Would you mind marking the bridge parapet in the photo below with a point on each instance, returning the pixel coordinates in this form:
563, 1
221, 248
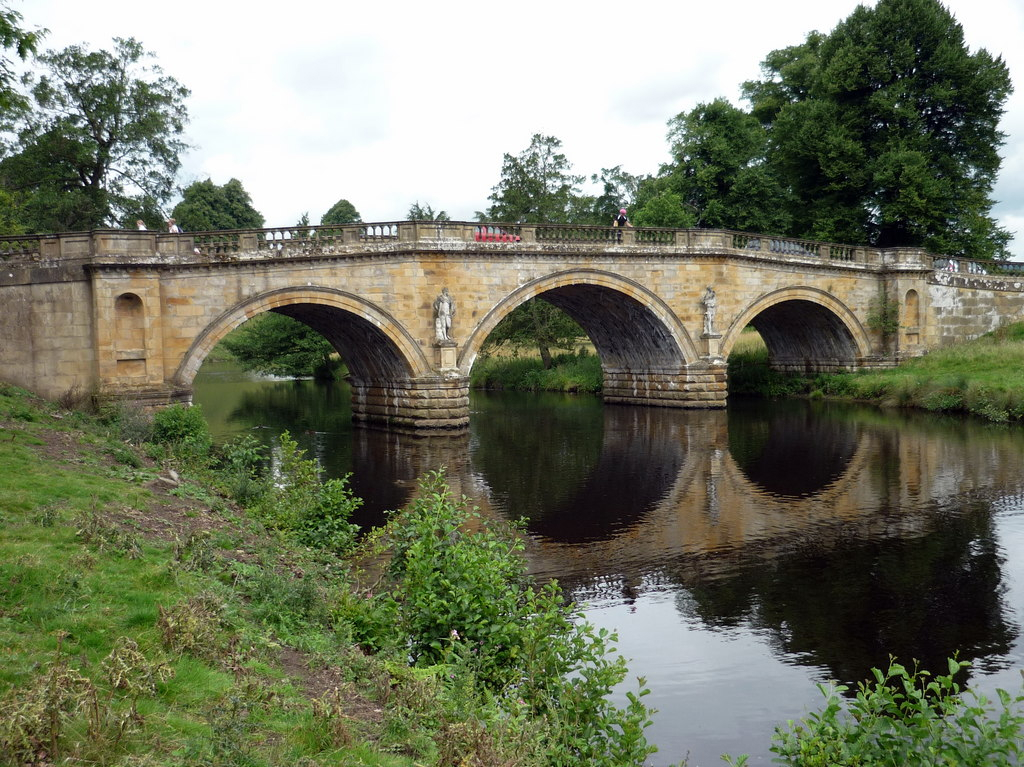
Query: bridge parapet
355, 239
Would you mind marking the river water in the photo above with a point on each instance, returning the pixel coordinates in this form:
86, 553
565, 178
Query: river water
743, 556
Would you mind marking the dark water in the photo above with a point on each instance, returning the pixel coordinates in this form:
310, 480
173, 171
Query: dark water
742, 555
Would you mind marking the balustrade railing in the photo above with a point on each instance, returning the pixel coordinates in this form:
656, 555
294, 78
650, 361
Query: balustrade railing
19, 247
976, 267
282, 242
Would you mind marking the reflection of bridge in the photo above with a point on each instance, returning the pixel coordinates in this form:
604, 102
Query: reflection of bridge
127, 314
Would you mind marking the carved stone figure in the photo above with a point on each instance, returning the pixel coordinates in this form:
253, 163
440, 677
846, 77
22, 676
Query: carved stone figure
444, 310
710, 303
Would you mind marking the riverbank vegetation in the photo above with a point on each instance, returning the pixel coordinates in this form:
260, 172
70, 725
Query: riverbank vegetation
983, 377
165, 603
578, 372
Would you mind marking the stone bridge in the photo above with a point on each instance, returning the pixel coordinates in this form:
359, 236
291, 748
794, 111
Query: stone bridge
132, 314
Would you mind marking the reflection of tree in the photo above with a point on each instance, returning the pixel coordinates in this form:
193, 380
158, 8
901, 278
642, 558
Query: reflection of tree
848, 608
538, 458
789, 450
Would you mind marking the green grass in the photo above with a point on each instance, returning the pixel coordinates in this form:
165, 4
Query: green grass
576, 373
126, 643
984, 377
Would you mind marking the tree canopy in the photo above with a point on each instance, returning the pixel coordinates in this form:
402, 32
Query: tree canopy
274, 344
886, 131
23, 43
205, 206
101, 143
425, 212
342, 212
718, 179
536, 186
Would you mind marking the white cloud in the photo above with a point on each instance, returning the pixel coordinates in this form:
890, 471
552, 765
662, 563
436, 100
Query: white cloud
391, 102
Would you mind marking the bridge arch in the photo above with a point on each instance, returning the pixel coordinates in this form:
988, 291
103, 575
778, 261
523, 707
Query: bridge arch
373, 344
631, 327
804, 329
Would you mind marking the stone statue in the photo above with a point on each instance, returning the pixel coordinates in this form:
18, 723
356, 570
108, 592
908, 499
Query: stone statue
710, 303
444, 310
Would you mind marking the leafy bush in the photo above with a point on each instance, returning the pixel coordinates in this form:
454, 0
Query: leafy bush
184, 429
905, 718
463, 598
315, 513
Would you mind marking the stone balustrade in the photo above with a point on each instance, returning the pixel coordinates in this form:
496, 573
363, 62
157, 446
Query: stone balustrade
354, 239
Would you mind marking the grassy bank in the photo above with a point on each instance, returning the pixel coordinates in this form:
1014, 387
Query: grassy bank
984, 378
166, 604
580, 372
147, 617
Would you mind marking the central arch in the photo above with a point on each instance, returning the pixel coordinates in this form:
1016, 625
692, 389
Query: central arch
647, 357
629, 325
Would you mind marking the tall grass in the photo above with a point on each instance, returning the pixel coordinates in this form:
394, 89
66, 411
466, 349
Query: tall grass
580, 372
983, 377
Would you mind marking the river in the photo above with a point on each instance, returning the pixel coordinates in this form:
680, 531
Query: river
743, 555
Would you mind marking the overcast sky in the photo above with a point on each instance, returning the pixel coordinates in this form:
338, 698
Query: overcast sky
390, 102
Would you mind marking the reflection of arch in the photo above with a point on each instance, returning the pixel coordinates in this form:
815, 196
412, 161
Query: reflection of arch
631, 328
803, 326
767, 446
372, 343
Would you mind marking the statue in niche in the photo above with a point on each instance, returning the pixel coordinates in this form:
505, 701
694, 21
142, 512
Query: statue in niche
710, 303
444, 310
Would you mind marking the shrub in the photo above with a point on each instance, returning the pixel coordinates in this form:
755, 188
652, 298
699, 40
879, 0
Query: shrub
464, 599
184, 429
315, 513
907, 718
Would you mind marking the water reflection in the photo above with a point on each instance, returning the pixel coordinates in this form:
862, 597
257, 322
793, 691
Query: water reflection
826, 537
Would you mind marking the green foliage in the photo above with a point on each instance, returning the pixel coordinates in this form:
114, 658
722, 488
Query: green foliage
886, 131
718, 178
884, 316
101, 145
425, 212
342, 212
205, 206
273, 344
536, 186
463, 598
184, 429
536, 323
316, 513
907, 718
568, 373
23, 42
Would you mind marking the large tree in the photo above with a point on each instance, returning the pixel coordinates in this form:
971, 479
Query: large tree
102, 140
887, 130
718, 177
536, 186
205, 206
